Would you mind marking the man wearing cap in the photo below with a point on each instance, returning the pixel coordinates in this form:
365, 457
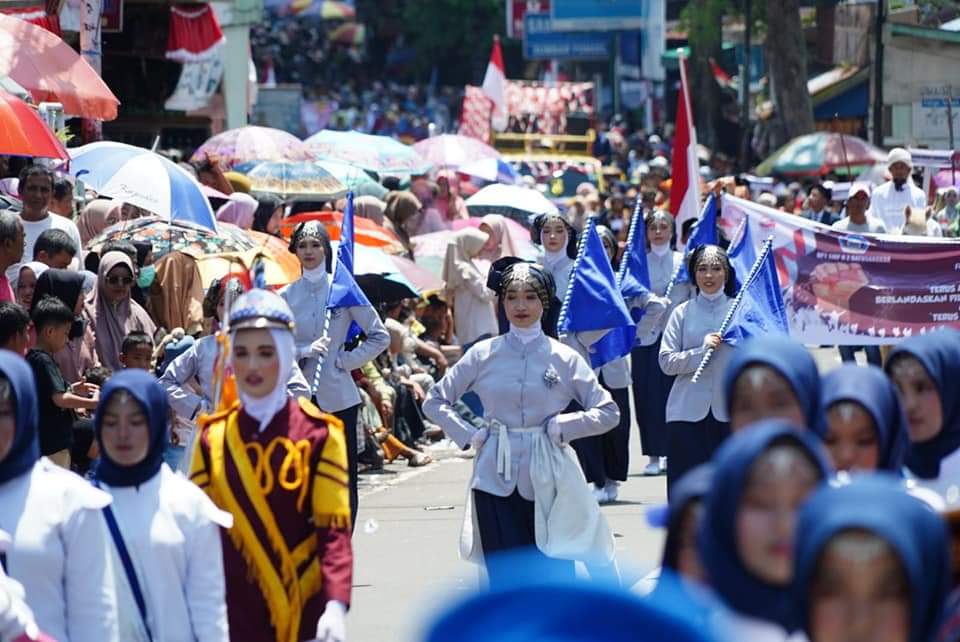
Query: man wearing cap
858, 219
890, 199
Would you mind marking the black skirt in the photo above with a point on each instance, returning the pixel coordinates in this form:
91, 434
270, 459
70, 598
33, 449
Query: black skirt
607, 456
650, 391
691, 443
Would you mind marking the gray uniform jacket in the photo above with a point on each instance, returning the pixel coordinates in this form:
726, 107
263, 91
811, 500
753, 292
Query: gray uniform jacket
521, 386
661, 270
681, 352
199, 361
337, 390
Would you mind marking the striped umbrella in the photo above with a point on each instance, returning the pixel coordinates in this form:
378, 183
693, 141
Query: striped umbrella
252, 143
821, 153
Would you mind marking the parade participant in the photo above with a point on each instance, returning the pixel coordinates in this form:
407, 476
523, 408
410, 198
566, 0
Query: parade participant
525, 381
60, 544
925, 369
168, 528
466, 287
772, 377
651, 386
325, 347
890, 200
559, 241
80, 354
111, 310
279, 466
25, 282
761, 478
866, 428
696, 413
872, 563
682, 518
500, 243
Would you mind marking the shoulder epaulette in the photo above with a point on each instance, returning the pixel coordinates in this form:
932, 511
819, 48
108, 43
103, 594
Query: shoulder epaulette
313, 412
207, 419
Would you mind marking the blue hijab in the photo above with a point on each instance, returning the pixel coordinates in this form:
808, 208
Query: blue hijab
740, 589
143, 387
693, 486
939, 352
25, 450
879, 504
870, 388
791, 360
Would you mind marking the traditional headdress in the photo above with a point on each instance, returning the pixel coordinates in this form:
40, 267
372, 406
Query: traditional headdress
532, 276
313, 229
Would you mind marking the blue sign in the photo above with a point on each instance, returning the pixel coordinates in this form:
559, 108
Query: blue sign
600, 15
541, 42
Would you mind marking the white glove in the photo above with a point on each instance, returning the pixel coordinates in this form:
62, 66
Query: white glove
554, 432
319, 348
16, 619
712, 340
479, 439
332, 625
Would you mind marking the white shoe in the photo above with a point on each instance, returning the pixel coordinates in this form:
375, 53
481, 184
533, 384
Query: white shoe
612, 491
663, 465
652, 469
599, 494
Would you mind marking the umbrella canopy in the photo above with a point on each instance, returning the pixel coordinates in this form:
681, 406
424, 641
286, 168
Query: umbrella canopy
491, 170
356, 179
350, 33
821, 153
143, 178
379, 154
52, 71
518, 203
278, 269
947, 177
326, 9
252, 143
23, 133
294, 179
518, 234
430, 249
165, 237
366, 232
370, 261
454, 150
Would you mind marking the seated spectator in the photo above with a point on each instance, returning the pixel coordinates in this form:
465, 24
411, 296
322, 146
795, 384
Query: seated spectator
54, 249
136, 351
14, 328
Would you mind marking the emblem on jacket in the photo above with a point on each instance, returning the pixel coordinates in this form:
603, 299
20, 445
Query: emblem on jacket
550, 377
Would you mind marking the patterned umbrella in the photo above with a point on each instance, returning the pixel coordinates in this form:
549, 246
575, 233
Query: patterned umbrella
166, 237
454, 150
247, 144
355, 179
820, 153
379, 154
300, 179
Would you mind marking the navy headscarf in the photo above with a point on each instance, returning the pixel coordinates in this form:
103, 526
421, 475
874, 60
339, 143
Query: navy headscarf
870, 388
143, 387
740, 589
25, 450
692, 487
939, 352
788, 358
881, 505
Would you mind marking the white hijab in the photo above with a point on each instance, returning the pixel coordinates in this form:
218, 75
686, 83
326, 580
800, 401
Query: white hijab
264, 409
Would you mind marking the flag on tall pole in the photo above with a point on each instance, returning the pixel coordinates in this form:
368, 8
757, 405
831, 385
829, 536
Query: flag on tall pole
685, 172
495, 86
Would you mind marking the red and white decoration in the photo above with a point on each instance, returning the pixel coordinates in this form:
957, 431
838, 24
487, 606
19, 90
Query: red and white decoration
475, 114
195, 34
494, 86
40, 15
685, 185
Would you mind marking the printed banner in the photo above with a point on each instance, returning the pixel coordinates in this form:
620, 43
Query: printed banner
844, 288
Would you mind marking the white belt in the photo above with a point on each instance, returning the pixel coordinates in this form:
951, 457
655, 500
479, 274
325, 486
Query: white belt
504, 456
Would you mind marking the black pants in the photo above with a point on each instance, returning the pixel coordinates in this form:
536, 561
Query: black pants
607, 456
874, 358
691, 443
506, 525
349, 418
650, 391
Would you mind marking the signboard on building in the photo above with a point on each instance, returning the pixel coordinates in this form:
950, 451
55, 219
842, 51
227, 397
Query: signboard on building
930, 114
600, 15
541, 42
517, 11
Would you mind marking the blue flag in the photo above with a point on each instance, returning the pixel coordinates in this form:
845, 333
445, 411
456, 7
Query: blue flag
344, 291
759, 308
704, 233
594, 302
742, 255
634, 277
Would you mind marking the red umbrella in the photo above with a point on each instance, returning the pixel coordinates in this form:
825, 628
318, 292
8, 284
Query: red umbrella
23, 133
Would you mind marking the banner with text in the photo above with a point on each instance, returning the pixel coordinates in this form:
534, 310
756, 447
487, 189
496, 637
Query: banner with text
843, 288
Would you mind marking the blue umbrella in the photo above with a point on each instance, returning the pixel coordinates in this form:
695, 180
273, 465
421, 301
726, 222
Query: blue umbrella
143, 178
491, 170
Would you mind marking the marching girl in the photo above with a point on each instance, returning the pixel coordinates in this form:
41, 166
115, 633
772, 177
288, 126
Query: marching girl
651, 386
279, 466
559, 241
60, 545
334, 389
696, 413
169, 530
525, 381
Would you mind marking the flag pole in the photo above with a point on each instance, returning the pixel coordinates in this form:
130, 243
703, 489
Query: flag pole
634, 224
581, 249
767, 247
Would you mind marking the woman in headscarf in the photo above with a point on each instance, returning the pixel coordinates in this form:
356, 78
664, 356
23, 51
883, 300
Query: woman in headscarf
268, 215
761, 478
369, 207
500, 243
925, 369
112, 311
473, 312
80, 353
865, 427
287, 559
168, 526
872, 563
770, 377
322, 335
239, 210
448, 201
96, 216
651, 386
697, 417
681, 518
24, 283
399, 217
526, 381
60, 551
559, 241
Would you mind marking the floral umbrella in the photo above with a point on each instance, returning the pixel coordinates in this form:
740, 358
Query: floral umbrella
379, 154
290, 180
252, 143
166, 237
821, 153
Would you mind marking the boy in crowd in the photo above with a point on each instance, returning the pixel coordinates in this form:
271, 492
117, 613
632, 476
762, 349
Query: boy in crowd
14, 328
136, 351
54, 249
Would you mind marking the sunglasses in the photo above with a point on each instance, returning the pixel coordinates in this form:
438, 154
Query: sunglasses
119, 280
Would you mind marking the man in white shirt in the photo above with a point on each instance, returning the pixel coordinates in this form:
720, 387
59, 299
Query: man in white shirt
858, 219
890, 199
35, 189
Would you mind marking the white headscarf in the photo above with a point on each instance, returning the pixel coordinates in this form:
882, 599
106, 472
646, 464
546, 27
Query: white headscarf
264, 409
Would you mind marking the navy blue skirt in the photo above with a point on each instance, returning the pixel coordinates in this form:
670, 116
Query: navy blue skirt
691, 443
650, 391
607, 456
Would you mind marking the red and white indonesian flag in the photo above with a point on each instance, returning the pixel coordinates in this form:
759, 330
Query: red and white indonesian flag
685, 174
495, 86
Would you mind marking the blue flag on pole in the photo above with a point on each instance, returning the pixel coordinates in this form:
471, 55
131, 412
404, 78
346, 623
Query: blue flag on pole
705, 233
594, 302
634, 274
759, 308
344, 291
742, 255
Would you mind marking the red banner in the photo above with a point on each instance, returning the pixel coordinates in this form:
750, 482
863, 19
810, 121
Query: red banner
517, 9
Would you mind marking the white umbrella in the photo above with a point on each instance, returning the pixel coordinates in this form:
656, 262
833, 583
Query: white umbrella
518, 203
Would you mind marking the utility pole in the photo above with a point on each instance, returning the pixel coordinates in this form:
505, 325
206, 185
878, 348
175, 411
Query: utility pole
745, 85
878, 74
